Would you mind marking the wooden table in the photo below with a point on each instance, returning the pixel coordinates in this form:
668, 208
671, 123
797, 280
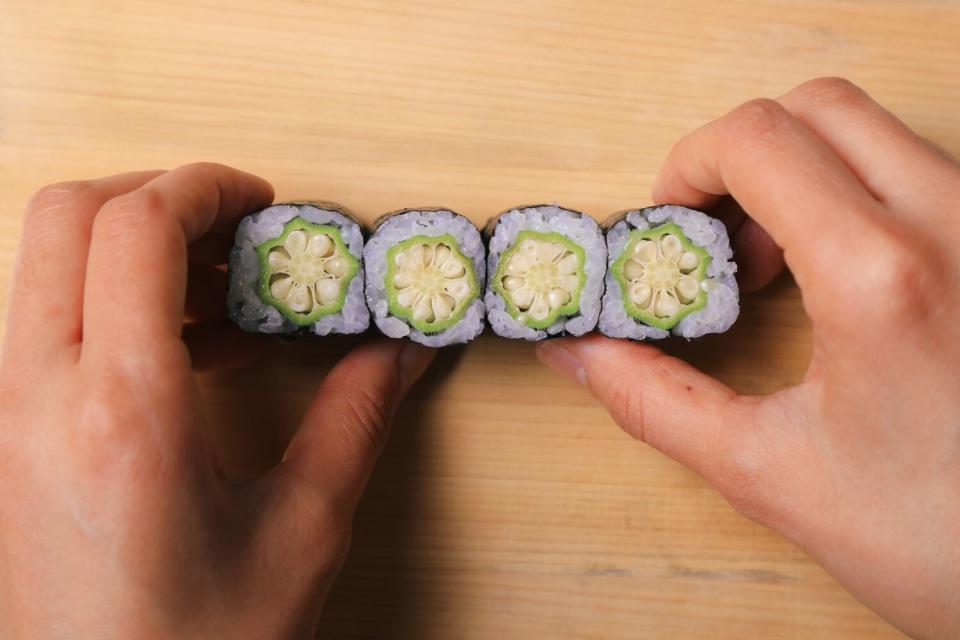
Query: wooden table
508, 504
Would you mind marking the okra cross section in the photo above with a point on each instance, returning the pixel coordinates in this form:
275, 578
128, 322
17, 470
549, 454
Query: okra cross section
661, 275
304, 273
429, 282
540, 278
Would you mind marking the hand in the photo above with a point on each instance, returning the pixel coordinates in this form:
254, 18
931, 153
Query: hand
115, 521
860, 464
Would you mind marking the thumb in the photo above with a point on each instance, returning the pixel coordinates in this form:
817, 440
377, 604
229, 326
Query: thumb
347, 424
658, 399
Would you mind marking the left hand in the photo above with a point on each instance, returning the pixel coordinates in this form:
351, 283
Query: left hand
115, 521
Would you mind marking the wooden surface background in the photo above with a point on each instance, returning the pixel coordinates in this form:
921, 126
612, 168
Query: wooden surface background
508, 504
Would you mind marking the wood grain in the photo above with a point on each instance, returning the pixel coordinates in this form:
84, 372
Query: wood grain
508, 504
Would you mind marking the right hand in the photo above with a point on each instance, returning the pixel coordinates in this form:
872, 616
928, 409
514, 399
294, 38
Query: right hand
859, 464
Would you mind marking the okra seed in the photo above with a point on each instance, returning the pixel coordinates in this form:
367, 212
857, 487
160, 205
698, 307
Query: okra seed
688, 261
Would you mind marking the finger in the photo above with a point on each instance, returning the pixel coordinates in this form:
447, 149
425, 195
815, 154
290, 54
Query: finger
347, 423
137, 269
206, 293
658, 399
887, 156
47, 291
759, 259
211, 249
729, 212
783, 176
220, 344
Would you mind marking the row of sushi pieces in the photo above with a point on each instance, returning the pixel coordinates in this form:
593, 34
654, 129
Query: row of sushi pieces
431, 276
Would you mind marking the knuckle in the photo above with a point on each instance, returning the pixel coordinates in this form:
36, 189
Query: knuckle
749, 467
903, 276
60, 192
626, 407
322, 521
48, 210
104, 427
53, 197
759, 118
142, 203
206, 178
101, 427
831, 91
366, 416
312, 503
205, 168
745, 483
123, 215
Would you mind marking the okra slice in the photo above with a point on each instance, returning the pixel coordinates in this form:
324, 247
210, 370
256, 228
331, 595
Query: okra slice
305, 272
430, 283
540, 278
661, 276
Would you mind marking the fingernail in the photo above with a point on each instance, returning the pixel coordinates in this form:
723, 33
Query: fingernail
413, 361
561, 359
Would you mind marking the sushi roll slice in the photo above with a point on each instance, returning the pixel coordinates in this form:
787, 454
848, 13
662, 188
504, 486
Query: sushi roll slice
296, 269
545, 266
425, 272
670, 273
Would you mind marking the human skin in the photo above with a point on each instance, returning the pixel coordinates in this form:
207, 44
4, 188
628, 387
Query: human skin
116, 521
859, 464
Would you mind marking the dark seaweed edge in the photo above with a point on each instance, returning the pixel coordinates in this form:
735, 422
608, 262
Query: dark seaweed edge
326, 205
399, 212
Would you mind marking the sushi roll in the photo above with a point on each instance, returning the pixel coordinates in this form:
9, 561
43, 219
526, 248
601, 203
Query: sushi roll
296, 269
425, 272
670, 272
545, 266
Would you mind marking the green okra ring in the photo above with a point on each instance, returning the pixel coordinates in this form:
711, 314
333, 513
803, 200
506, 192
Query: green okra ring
540, 278
661, 276
429, 282
305, 272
